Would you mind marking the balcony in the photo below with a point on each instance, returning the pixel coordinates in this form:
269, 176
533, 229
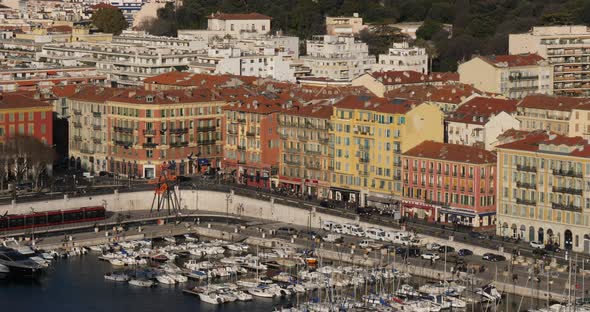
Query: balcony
77, 124
364, 160
123, 130
527, 202
324, 140
302, 138
232, 131
97, 127
77, 112
364, 148
86, 151
569, 206
149, 132
283, 136
77, 138
567, 190
149, 145
531, 186
97, 141
241, 120
206, 142
312, 165
364, 173
313, 152
242, 147
568, 173
123, 143
397, 177
178, 131
398, 164
292, 162
526, 168
206, 129
438, 203
179, 144
96, 114
241, 162
250, 133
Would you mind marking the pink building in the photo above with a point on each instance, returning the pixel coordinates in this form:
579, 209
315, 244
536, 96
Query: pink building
449, 183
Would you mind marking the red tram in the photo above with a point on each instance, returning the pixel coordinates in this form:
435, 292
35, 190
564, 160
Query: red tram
50, 218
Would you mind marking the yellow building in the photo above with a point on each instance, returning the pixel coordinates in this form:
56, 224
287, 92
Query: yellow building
514, 76
369, 135
64, 33
543, 190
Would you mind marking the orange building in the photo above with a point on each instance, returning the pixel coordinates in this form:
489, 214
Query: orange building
24, 115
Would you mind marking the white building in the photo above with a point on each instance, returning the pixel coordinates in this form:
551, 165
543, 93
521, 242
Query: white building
222, 25
337, 58
479, 121
227, 59
403, 57
344, 25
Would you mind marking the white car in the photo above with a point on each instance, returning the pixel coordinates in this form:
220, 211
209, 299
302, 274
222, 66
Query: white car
375, 233
430, 256
369, 243
537, 245
432, 246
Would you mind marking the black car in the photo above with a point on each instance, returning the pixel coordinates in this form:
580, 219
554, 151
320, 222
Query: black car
539, 252
365, 210
465, 252
476, 235
309, 234
404, 252
448, 249
493, 257
552, 248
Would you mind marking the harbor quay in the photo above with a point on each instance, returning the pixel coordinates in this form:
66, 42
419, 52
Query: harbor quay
233, 217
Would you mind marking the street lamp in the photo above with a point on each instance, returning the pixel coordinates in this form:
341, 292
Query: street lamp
227, 199
33, 229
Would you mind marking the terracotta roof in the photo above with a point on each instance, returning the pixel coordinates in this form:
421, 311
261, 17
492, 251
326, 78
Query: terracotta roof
513, 60
64, 91
479, 110
260, 104
413, 77
185, 79
18, 100
452, 152
60, 29
455, 94
532, 142
239, 16
513, 135
93, 94
318, 110
376, 104
103, 6
560, 103
139, 96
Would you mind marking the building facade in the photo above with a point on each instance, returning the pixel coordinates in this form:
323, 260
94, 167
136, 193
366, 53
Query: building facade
344, 25
369, 135
402, 57
307, 158
543, 190
449, 183
21, 115
553, 113
565, 48
514, 76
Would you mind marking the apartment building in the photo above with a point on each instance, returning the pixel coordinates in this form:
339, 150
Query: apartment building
479, 121
344, 25
514, 76
543, 190
566, 48
24, 115
554, 113
382, 82
449, 183
251, 140
307, 158
88, 130
220, 25
369, 135
31, 79
402, 57
123, 64
337, 58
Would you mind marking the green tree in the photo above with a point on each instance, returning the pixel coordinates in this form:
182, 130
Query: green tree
109, 20
428, 29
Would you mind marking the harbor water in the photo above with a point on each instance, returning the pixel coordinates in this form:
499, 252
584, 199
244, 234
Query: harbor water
78, 284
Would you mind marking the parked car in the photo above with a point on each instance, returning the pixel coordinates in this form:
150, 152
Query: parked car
286, 230
328, 225
493, 257
553, 248
369, 243
430, 256
408, 251
310, 234
477, 235
432, 246
333, 238
539, 252
465, 252
537, 245
448, 249
375, 233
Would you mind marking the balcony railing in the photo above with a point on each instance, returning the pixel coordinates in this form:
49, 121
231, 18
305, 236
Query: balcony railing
206, 129
86, 151
77, 138
314, 152
97, 127
178, 130
397, 177
149, 132
206, 142
242, 147
567, 190
439, 203
569, 206
96, 114
292, 162
364, 160
250, 133
528, 202
123, 130
179, 144
241, 120
364, 173
312, 165
532, 186
77, 112
568, 173
97, 141
123, 143
526, 168
149, 145
77, 124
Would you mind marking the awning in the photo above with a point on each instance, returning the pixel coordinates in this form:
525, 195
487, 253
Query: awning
338, 189
383, 200
457, 212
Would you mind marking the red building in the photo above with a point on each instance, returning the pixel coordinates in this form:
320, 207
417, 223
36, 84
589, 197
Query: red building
24, 115
449, 183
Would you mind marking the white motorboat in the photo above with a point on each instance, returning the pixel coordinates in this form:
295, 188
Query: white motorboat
243, 296
227, 295
212, 298
170, 239
117, 262
116, 277
190, 238
142, 283
262, 292
198, 275
179, 278
166, 279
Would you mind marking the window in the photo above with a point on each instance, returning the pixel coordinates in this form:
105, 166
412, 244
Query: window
21, 116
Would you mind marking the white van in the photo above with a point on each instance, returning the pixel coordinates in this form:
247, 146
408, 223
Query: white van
338, 228
357, 231
375, 233
402, 238
328, 225
347, 228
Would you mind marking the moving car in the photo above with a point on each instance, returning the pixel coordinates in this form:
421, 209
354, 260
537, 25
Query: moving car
286, 230
465, 252
537, 245
493, 257
448, 249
